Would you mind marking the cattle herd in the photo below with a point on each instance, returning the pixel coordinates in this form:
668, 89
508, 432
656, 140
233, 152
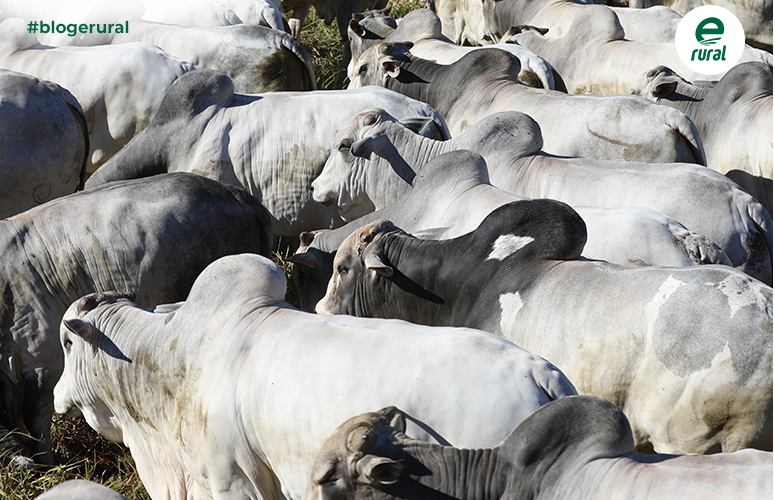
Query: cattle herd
534, 250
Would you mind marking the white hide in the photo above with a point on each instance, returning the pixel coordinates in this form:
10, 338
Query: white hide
291, 379
119, 87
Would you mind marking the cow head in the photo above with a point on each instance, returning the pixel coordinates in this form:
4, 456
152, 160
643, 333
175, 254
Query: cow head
379, 63
363, 151
311, 271
357, 456
358, 258
659, 82
365, 30
81, 341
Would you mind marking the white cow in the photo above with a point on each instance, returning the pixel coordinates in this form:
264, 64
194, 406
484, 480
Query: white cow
44, 145
451, 195
149, 236
273, 144
685, 352
484, 82
231, 393
374, 157
423, 28
256, 58
119, 87
734, 117
754, 15
78, 489
594, 56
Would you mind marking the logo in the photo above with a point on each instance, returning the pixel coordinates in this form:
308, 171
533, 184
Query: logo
709, 40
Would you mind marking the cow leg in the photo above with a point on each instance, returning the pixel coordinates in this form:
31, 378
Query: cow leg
12, 450
297, 19
37, 410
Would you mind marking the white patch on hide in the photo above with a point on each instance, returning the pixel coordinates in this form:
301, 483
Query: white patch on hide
739, 293
507, 244
511, 304
663, 295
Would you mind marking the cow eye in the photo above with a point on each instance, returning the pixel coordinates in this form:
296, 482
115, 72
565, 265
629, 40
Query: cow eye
346, 144
362, 69
341, 270
68, 343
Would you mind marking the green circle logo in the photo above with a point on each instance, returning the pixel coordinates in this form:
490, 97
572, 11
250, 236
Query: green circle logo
709, 40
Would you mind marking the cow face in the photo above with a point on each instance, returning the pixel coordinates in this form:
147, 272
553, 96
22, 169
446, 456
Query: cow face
80, 339
311, 271
345, 174
347, 465
379, 63
357, 259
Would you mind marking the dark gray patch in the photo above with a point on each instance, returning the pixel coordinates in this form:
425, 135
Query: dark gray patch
683, 351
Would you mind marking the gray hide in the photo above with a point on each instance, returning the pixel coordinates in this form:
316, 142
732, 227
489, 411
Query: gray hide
273, 144
578, 447
44, 145
256, 58
150, 237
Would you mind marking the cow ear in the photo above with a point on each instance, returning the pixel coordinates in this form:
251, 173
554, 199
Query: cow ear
80, 328
356, 27
664, 87
424, 126
364, 147
390, 67
306, 259
376, 470
375, 263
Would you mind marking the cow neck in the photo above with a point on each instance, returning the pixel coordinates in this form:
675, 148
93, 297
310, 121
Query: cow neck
424, 81
135, 352
412, 292
454, 473
410, 152
686, 98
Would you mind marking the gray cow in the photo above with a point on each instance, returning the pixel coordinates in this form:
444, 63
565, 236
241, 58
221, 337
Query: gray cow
256, 58
685, 352
272, 144
734, 117
452, 194
150, 237
484, 82
44, 145
375, 158
578, 447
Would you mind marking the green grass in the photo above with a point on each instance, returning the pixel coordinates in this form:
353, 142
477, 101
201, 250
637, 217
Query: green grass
325, 45
80, 451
